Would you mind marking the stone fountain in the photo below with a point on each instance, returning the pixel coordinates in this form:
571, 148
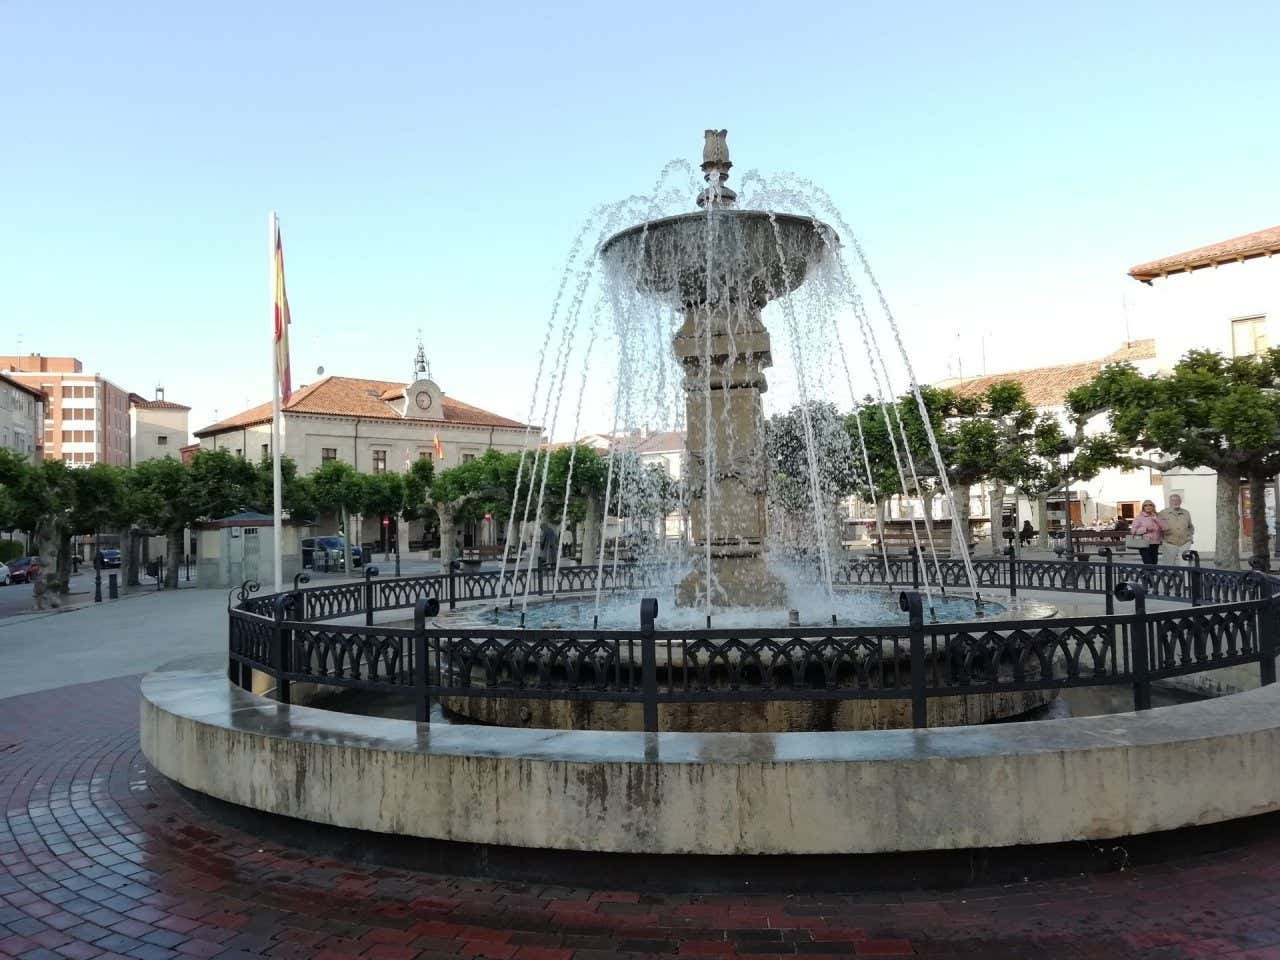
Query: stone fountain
720, 267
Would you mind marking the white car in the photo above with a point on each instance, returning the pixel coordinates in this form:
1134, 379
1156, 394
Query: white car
4, 575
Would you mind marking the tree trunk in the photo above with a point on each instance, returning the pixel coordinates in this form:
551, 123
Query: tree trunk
1260, 536
62, 564
133, 546
960, 519
997, 515
172, 558
591, 530
448, 533
1226, 553
1042, 522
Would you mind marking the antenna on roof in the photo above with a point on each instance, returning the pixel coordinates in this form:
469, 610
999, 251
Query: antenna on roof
1124, 308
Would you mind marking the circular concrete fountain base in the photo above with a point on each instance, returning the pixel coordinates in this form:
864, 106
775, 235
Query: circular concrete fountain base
1085, 778
774, 716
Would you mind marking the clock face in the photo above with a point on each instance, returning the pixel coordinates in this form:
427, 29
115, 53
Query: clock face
423, 400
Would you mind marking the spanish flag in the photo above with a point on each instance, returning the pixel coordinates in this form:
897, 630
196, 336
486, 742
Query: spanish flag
281, 336
435, 445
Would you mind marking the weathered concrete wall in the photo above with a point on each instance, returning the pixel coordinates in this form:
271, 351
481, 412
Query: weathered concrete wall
720, 793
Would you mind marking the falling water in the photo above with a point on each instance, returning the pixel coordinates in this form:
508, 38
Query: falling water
640, 280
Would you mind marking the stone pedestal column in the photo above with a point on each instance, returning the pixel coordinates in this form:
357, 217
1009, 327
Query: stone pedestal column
738, 353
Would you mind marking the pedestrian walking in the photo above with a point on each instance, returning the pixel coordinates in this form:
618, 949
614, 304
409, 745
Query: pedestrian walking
1147, 532
1179, 532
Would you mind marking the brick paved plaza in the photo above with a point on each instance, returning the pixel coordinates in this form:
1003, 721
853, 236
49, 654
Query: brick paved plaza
102, 858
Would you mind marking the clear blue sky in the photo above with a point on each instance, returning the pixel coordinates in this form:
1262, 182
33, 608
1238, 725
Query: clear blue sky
1005, 163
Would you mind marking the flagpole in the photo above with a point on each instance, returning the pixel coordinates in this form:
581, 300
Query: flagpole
273, 229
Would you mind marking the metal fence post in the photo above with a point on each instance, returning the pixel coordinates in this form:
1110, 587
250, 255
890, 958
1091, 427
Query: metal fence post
1197, 578
369, 574
1108, 579
1140, 662
915, 567
281, 641
910, 602
453, 587
1267, 627
425, 607
540, 567
649, 663
1013, 570
300, 598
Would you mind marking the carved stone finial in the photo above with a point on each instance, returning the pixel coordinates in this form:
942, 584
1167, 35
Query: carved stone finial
715, 150
715, 160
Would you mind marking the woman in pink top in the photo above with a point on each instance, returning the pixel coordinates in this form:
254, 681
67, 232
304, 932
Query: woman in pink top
1151, 528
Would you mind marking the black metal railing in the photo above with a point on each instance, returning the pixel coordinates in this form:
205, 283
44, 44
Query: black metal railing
1232, 620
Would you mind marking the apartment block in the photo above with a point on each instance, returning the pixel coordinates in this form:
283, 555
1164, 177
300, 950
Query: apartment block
86, 417
21, 418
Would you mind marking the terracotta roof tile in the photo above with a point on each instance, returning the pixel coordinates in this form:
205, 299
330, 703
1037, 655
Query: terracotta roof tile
1049, 386
1262, 243
365, 399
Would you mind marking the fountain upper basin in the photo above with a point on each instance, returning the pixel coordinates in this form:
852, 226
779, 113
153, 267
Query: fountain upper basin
754, 255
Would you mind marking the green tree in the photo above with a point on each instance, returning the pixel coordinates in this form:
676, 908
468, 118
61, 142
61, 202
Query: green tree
382, 495
336, 487
790, 470
468, 485
1209, 411
165, 501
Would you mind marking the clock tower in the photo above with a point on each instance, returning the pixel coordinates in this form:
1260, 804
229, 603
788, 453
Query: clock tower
422, 398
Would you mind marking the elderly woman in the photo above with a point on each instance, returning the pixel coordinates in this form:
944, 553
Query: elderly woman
1148, 527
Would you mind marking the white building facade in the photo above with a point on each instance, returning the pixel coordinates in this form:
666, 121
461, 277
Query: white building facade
377, 426
21, 419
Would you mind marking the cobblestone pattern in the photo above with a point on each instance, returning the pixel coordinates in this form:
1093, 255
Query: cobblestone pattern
101, 858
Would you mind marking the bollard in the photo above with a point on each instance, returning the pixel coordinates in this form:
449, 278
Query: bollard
1013, 569
1139, 651
369, 574
649, 663
911, 603
915, 567
453, 584
113, 587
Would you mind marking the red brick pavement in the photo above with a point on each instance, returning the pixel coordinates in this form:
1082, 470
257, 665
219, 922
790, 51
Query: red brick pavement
101, 858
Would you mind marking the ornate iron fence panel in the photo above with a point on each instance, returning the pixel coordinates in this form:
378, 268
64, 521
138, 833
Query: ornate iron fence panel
333, 601
1204, 638
406, 591
786, 665
574, 664
370, 657
1026, 655
250, 636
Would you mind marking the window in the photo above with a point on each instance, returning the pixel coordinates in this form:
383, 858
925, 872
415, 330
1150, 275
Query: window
239, 451
1157, 478
468, 457
77, 436
162, 440
328, 453
266, 450
1249, 336
379, 461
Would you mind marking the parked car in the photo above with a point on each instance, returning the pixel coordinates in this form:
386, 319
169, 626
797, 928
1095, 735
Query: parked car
326, 553
5, 576
110, 558
21, 569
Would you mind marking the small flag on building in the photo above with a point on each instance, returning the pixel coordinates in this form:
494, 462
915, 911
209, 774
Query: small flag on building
435, 445
282, 322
